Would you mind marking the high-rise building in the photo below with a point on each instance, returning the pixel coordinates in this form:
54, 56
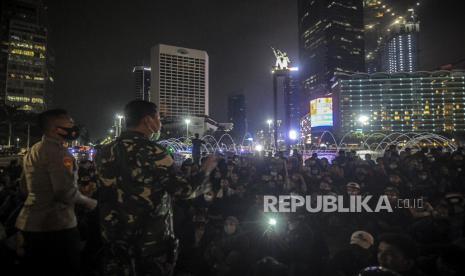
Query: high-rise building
179, 82
330, 41
142, 75
400, 53
391, 36
292, 102
402, 102
237, 115
375, 23
24, 75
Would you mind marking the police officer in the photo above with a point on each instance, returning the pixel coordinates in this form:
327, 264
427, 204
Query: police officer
137, 180
47, 219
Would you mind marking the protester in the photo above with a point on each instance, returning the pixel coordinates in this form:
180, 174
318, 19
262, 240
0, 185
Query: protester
223, 230
358, 255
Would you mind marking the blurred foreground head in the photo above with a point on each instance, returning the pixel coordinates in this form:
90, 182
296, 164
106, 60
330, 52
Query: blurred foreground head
268, 266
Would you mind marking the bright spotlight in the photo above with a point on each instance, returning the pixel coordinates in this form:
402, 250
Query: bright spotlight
363, 119
269, 121
187, 121
293, 134
272, 221
258, 147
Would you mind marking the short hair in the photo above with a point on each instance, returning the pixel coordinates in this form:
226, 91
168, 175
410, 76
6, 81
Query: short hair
136, 110
402, 242
46, 118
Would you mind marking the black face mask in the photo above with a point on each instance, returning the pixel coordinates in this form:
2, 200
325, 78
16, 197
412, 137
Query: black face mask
72, 133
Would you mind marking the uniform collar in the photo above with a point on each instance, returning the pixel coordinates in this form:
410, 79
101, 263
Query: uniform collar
132, 134
51, 140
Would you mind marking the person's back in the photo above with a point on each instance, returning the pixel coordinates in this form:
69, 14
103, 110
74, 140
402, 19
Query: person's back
47, 220
42, 212
196, 148
131, 171
136, 181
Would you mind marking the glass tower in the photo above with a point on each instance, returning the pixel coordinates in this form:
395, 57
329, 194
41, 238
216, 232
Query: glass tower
331, 40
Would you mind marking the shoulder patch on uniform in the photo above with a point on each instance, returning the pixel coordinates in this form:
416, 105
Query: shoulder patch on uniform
68, 163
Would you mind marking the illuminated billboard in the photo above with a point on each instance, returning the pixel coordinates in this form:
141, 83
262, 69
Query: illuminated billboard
321, 112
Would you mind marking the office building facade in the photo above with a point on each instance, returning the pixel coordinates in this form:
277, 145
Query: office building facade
375, 24
401, 102
24, 75
391, 36
331, 40
142, 76
292, 102
179, 82
400, 53
237, 115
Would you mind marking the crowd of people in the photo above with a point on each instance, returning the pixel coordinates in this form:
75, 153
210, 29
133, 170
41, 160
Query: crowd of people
225, 231
133, 212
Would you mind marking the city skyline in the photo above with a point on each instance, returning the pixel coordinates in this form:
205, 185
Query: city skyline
95, 56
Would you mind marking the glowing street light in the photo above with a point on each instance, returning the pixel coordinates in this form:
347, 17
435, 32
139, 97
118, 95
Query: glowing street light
119, 127
258, 147
293, 134
272, 221
269, 122
187, 121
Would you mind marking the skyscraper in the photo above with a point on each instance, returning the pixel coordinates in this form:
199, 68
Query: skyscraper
237, 114
142, 77
391, 36
24, 76
330, 41
179, 81
292, 102
400, 52
375, 20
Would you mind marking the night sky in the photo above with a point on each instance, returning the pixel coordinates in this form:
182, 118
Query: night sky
96, 44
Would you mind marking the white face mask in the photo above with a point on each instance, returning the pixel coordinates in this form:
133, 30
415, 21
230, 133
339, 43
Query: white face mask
208, 198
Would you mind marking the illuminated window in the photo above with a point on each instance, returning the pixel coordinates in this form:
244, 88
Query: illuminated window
22, 52
37, 100
39, 47
18, 99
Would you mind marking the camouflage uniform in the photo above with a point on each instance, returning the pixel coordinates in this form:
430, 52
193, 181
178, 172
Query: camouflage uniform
136, 182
